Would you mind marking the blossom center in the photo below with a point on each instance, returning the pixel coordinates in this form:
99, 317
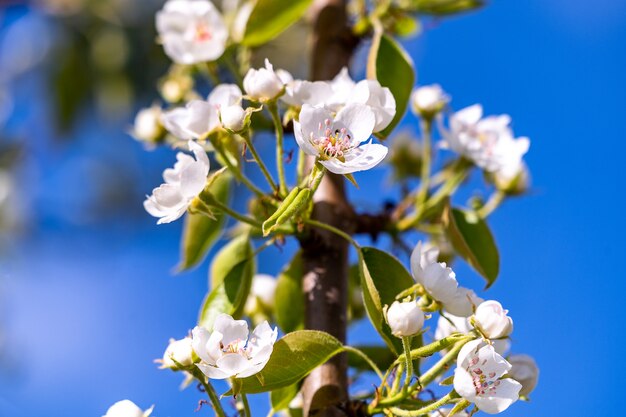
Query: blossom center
331, 142
484, 383
202, 33
236, 346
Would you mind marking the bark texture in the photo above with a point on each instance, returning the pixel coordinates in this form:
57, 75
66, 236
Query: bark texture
325, 255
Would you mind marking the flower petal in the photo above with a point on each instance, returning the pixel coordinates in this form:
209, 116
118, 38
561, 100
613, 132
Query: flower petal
507, 393
212, 372
304, 143
359, 120
233, 363
233, 330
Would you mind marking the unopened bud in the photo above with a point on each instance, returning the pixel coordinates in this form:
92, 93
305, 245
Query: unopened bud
405, 318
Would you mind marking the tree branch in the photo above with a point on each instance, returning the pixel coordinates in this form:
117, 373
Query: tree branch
325, 255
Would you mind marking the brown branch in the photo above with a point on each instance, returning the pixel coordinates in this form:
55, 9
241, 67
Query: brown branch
325, 256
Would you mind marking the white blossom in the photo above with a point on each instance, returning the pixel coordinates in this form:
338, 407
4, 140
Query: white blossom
525, 371
488, 142
405, 318
191, 31
337, 140
127, 408
492, 320
299, 92
229, 352
199, 117
263, 84
183, 183
377, 98
477, 378
148, 125
429, 99
440, 282
179, 351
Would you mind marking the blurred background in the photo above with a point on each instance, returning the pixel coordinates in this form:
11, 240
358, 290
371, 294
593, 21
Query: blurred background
88, 297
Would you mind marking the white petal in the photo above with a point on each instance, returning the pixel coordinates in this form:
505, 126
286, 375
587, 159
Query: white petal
233, 363
233, 330
469, 115
193, 180
506, 394
212, 372
362, 158
358, 119
200, 155
225, 95
304, 143
124, 408
311, 118
464, 384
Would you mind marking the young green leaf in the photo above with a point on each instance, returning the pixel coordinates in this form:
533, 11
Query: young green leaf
389, 63
281, 397
231, 277
200, 232
293, 358
270, 18
472, 240
382, 278
288, 306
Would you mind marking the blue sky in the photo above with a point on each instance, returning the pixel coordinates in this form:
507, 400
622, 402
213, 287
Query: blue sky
86, 308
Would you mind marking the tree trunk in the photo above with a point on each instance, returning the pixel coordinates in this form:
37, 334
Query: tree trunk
325, 255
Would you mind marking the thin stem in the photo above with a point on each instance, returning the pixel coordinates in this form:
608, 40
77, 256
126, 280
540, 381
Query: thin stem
215, 400
259, 161
396, 381
493, 203
246, 405
334, 230
441, 366
406, 344
426, 163
447, 189
317, 173
237, 172
427, 409
211, 201
280, 163
366, 358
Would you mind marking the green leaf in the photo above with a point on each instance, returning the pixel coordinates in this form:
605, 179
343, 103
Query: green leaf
289, 307
270, 18
281, 397
231, 275
293, 358
200, 232
381, 355
389, 63
383, 277
472, 240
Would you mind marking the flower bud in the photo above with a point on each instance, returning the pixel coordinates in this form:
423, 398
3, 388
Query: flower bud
263, 84
429, 100
260, 302
405, 318
148, 125
525, 371
127, 408
179, 351
492, 320
233, 117
176, 88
